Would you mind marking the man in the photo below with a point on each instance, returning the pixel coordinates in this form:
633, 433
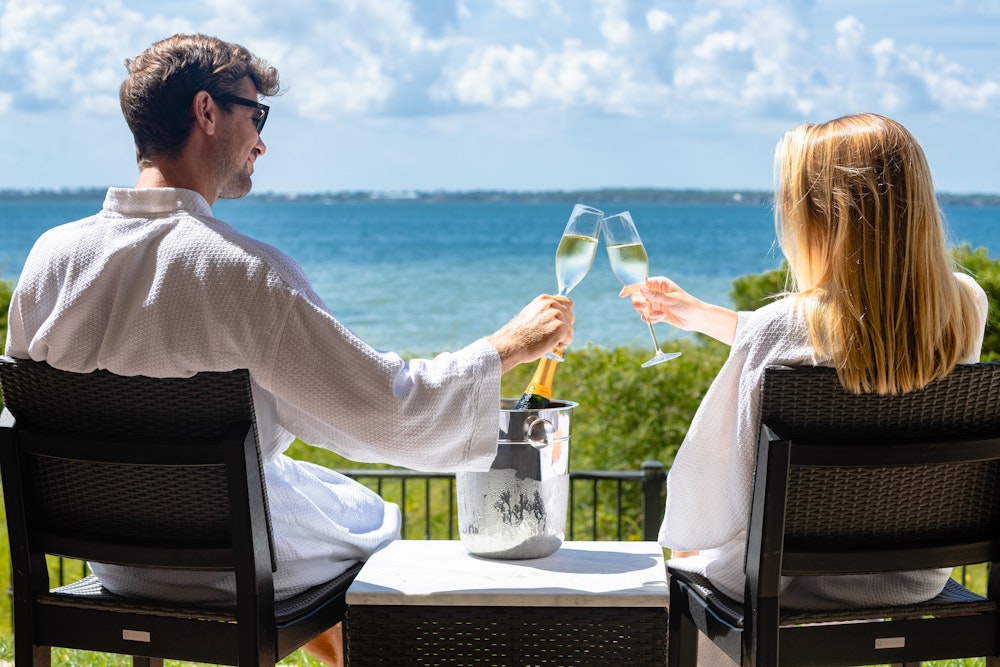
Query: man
154, 285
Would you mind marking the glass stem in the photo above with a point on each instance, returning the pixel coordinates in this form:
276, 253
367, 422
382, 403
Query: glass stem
556, 353
653, 334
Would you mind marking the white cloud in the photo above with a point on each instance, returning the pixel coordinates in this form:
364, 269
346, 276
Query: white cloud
658, 20
700, 23
713, 58
347, 58
70, 55
916, 73
519, 9
850, 36
780, 43
330, 90
495, 76
982, 6
714, 69
614, 23
19, 19
526, 10
518, 77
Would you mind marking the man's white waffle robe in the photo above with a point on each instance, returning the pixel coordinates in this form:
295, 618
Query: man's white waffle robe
155, 285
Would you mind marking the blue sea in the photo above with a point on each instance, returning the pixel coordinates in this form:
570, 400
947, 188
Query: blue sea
421, 277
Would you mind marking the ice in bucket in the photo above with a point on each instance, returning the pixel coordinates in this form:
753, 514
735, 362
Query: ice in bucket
517, 509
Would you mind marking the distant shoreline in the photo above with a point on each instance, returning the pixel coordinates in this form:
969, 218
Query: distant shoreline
631, 195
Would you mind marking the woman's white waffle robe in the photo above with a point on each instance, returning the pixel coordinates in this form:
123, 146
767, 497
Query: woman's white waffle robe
711, 480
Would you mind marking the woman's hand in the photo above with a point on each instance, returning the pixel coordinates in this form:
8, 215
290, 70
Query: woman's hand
660, 299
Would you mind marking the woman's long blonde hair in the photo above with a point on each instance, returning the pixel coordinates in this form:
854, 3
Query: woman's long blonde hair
858, 221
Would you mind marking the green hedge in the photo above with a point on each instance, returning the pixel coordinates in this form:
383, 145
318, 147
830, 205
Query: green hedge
6, 290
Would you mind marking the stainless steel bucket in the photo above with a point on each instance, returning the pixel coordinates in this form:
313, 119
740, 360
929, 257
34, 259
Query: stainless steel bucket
517, 509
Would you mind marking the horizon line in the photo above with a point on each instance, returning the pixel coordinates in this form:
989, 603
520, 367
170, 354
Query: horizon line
659, 194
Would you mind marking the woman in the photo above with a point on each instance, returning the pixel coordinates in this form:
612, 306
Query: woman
873, 293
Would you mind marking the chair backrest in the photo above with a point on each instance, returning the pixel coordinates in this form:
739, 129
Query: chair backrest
849, 483
161, 472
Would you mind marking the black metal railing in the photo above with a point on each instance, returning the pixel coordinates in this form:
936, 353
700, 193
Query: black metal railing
603, 504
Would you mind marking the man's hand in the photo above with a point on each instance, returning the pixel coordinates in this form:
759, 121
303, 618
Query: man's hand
545, 323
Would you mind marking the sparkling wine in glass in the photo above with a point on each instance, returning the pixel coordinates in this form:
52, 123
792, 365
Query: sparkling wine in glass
576, 251
631, 264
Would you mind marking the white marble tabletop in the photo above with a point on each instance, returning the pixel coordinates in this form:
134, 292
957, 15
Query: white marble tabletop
579, 574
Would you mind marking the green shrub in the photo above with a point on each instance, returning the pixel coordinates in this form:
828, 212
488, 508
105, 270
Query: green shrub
752, 291
628, 414
6, 289
986, 271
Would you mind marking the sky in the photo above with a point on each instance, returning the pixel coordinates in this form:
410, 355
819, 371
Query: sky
522, 95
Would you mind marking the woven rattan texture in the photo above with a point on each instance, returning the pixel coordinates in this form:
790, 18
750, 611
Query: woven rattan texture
436, 636
868, 507
122, 408
811, 400
165, 505
169, 505
892, 506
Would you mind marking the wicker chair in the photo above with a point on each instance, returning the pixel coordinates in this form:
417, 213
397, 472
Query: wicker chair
144, 472
858, 484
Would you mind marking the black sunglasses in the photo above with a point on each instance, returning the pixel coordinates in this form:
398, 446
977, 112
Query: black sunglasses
262, 108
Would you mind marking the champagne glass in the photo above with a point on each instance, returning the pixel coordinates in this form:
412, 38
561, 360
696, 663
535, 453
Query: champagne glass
631, 265
576, 251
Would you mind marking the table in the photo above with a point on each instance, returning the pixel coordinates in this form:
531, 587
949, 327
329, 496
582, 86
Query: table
430, 602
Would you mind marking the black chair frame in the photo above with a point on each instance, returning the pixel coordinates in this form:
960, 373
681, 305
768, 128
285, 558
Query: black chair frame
144, 472
856, 484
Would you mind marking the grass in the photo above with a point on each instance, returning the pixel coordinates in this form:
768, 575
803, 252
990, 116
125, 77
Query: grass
974, 577
72, 658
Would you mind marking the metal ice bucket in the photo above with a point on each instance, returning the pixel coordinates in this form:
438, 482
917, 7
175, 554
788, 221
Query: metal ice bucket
517, 509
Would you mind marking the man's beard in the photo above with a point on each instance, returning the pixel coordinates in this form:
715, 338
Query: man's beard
237, 181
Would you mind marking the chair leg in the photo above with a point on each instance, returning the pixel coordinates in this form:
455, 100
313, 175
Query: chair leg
686, 642
36, 656
142, 661
682, 634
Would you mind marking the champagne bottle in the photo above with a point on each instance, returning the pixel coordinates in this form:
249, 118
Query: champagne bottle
538, 394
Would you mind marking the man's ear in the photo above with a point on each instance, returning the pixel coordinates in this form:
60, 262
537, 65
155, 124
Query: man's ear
205, 112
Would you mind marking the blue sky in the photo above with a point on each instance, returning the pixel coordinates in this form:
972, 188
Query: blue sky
453, 95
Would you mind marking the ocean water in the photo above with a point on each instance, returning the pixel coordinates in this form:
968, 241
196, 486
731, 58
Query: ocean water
420, 277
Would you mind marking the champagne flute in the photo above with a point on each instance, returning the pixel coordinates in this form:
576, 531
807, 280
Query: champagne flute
631, 265
575, 254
